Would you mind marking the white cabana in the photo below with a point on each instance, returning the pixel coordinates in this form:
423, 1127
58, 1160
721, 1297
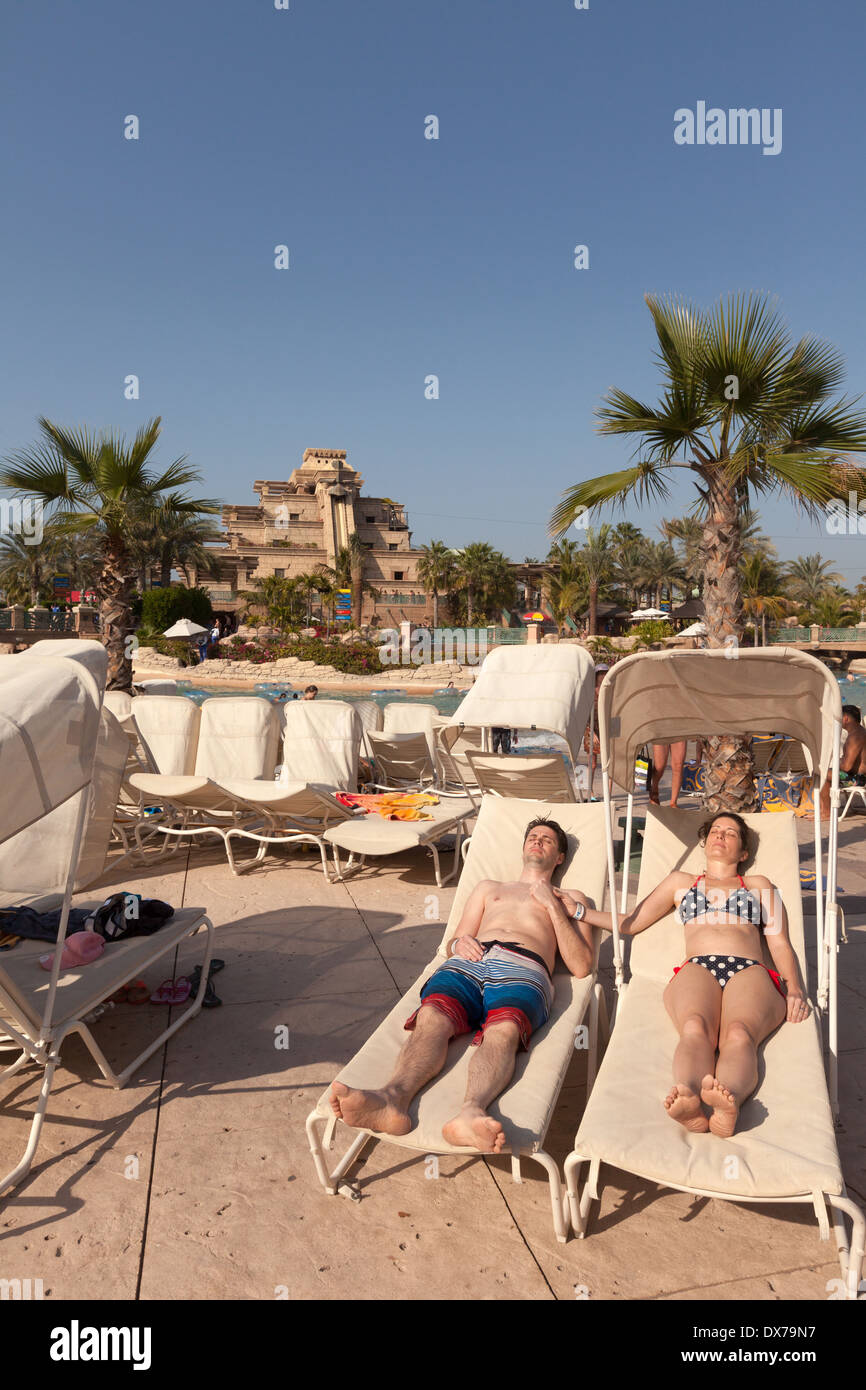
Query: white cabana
549, 687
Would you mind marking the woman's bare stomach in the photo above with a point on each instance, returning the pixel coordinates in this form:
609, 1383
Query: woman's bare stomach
723, 939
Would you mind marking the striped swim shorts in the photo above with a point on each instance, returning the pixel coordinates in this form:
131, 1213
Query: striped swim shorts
502, 985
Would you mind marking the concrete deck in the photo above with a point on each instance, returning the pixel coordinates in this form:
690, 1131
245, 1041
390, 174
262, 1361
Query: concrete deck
196, 1182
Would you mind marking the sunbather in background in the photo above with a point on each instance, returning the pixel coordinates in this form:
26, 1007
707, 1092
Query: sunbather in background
498, 982
852, 764
722, 997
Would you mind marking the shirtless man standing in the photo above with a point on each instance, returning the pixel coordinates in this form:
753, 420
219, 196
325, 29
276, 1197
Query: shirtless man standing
852, 764
498, 982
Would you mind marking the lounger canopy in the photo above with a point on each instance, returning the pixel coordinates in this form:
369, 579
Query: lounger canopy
539, 687
658, 697
49, 725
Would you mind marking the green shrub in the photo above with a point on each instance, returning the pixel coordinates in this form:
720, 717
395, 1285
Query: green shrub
653, 631
357, 659
162, 608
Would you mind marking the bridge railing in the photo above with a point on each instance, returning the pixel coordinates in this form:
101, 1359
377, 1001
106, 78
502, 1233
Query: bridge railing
825, 634
791, 634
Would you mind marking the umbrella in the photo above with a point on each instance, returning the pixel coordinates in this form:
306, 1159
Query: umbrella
184, 628
696, 630
641, 613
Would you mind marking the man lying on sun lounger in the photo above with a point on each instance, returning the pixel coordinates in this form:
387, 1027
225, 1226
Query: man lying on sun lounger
498, 982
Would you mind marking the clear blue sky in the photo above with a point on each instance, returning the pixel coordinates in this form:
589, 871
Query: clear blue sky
411, 256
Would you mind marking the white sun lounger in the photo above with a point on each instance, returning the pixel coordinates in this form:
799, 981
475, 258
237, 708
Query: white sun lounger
231, 793
197, 751
544, 777
784, 1148
49, 731
525, 1108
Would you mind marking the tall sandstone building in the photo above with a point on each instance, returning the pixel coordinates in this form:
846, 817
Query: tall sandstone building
303, 523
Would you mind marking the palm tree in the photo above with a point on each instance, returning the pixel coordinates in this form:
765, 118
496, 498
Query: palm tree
834, 608
351, 560
809, 578
473, 571
745, 412
102, 483
761, 583
436, 571
24, 569
313, 582
688, 531
660, 568
598, 560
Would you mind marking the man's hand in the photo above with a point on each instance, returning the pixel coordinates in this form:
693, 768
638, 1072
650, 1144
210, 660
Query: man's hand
543, 894
798, 1008
467, 947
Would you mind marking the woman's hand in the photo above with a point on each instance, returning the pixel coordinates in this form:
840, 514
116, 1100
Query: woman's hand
798, 1008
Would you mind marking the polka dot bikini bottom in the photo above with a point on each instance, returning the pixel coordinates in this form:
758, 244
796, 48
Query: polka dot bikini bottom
724, 968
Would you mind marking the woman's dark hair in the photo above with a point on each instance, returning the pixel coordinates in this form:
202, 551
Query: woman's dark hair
561, 836
745, 833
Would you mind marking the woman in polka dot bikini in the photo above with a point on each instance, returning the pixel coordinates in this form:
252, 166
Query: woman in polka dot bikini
723, 996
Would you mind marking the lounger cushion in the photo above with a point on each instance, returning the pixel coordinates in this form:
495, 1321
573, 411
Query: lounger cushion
784, 1144
321, 742
238, 738
370, 834
524, 1109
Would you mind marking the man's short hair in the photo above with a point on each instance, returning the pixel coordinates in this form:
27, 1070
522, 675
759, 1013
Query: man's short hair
562, 838
853, 712
308, 688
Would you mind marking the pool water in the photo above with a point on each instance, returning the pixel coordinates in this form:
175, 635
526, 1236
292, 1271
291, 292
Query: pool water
446, 701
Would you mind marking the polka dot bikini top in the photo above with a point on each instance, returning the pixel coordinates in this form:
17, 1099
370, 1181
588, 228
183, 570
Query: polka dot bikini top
742, 903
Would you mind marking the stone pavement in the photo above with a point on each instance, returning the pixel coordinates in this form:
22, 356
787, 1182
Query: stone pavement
196, 1182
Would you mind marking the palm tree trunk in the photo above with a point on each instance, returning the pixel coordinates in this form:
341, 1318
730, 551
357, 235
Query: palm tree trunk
117, 623
165, 567
593, 612
763, 637
436, 618
469, 614
729, 783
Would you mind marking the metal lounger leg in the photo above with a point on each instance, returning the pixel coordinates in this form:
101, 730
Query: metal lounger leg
21, 1169
558, 1205
850, 1259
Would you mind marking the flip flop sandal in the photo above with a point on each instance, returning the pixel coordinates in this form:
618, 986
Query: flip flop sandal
210, 1000
172, 991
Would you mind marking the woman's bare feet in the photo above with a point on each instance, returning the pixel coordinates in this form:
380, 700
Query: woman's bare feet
723, 1120
376, 1110
473, 1128
683, 1105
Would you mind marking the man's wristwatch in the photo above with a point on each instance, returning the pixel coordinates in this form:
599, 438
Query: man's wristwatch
579, 913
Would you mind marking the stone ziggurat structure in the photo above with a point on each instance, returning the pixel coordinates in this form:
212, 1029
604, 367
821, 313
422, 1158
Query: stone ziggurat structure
304, 523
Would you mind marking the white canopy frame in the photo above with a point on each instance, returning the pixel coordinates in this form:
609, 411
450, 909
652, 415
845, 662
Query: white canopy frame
661, 697
51, 701
548, 688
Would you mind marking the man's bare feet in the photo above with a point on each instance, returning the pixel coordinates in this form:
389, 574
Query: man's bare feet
374, 1110
723, 1120
473, 1128
682, 1104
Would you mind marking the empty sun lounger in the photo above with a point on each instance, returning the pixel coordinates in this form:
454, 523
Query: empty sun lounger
525, 1108
784, 1147
543, 777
